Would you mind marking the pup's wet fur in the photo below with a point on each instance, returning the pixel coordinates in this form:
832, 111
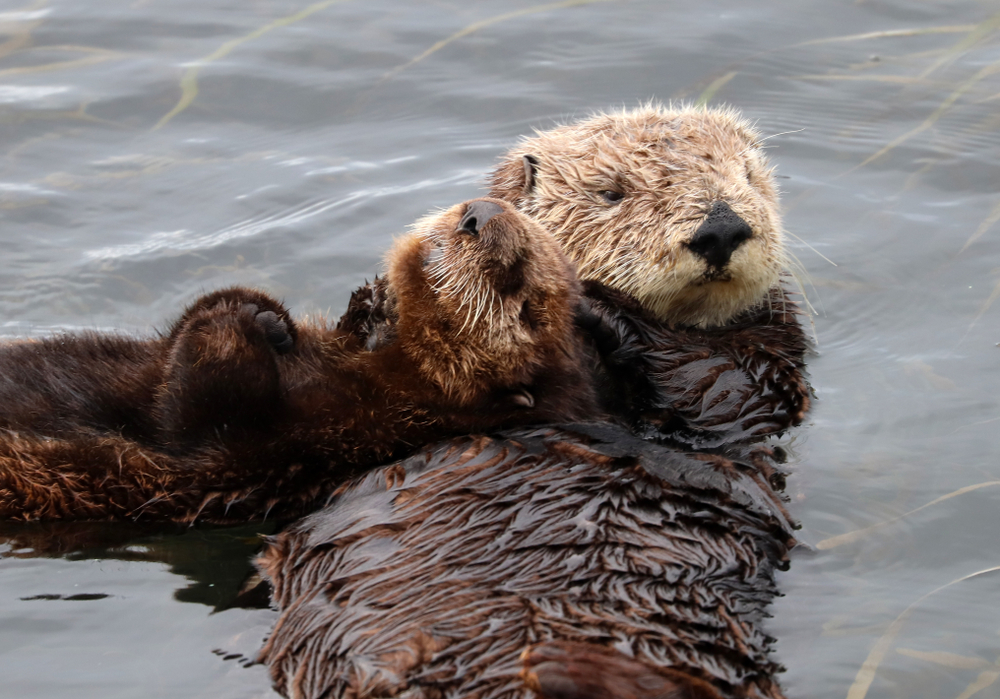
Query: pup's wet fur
239, 412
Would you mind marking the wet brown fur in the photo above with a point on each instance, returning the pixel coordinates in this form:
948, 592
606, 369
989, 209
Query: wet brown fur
430, 578
700, 387
239, 413
567, 670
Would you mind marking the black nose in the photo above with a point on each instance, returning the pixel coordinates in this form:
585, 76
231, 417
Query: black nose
477, 214
719, 235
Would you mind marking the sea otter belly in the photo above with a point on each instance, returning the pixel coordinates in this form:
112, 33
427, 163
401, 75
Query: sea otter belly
429, 578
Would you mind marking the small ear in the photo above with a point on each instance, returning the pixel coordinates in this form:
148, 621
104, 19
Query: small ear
514, 178
530, 166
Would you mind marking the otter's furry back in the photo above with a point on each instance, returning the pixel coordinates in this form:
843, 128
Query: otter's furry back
431, 576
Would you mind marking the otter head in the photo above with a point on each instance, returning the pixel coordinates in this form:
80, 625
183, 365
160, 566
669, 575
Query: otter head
677, 207
485, 300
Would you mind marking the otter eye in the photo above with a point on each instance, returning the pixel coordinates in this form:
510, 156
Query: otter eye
611, 196
526, 317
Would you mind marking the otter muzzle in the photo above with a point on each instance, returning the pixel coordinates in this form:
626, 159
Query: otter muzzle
718, 237
477, 214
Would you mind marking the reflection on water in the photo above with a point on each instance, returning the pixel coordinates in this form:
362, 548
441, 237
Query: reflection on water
101, 603
155, 149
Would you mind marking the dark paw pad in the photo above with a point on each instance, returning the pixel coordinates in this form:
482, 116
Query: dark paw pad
276, 331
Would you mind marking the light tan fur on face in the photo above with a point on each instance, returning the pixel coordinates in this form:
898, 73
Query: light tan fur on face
670, 165
464, 317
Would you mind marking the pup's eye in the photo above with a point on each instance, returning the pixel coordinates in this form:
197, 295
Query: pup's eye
611, 196
527, 317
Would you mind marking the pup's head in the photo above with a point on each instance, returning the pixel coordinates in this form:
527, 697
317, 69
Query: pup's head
485, 299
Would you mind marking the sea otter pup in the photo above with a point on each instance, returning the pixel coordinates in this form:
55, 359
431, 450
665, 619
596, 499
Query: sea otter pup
607, 555
239, 412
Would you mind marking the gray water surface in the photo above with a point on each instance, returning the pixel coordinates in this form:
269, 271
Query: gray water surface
154, 149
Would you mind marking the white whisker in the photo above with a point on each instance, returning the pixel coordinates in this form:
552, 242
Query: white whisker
783, 133
812, 248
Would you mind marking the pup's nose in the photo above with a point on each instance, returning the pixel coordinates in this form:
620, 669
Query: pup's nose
719, 235
477, 214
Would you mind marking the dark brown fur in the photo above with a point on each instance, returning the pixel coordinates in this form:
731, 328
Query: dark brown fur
699, 387
566, 670
239, 413
472, 552
645, 570
431, 577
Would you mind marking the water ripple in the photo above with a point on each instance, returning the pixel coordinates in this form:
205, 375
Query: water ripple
184, 240
12, 94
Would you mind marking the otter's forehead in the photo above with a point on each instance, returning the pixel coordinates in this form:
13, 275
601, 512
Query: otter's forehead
655, 126
507, 237
650, 149
487, 247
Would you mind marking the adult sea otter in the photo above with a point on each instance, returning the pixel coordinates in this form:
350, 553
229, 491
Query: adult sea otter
628, 558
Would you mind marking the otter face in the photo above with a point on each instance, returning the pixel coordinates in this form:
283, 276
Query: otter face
485, 298
676, 207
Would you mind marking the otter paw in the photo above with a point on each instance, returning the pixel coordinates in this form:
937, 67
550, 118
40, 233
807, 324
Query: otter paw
274, 328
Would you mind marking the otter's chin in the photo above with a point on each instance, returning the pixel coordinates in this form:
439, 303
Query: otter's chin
713, 276
703, 303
